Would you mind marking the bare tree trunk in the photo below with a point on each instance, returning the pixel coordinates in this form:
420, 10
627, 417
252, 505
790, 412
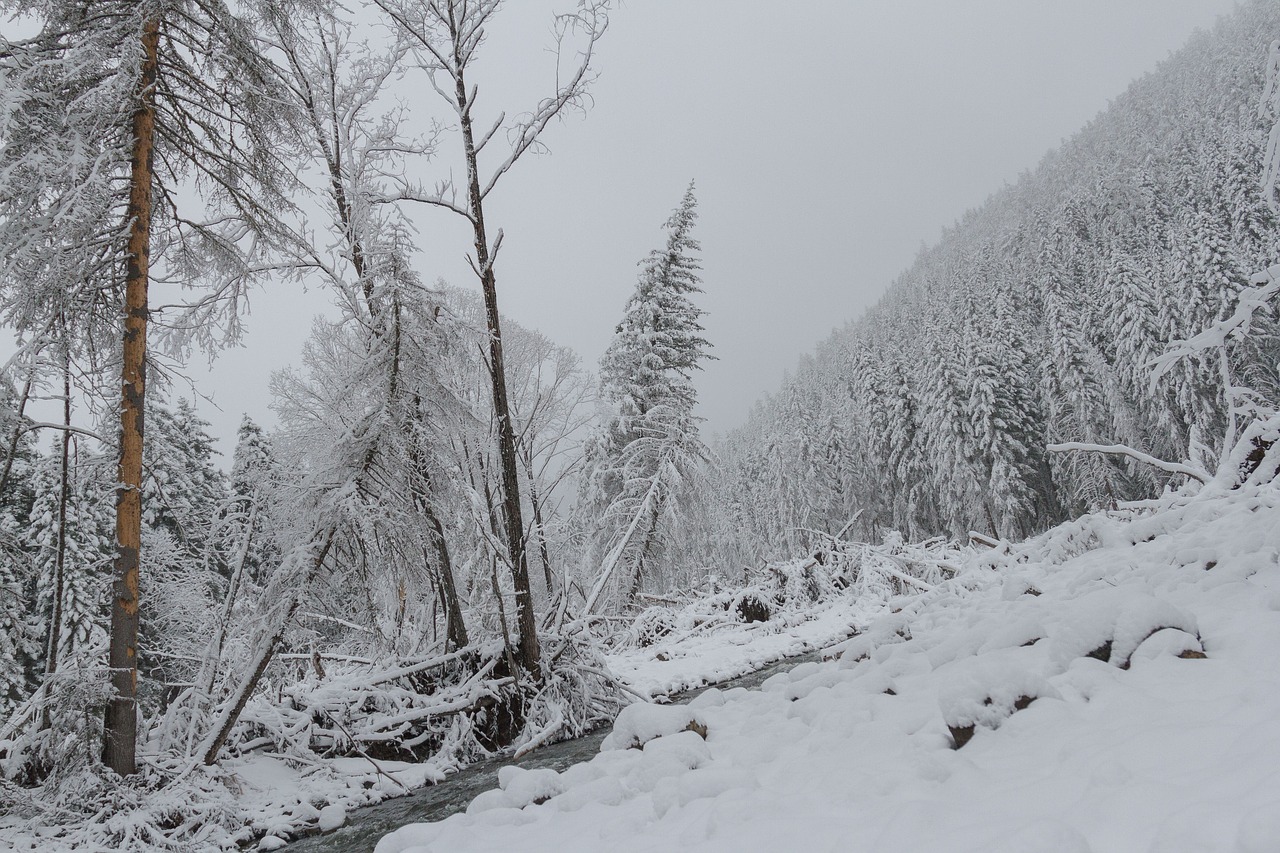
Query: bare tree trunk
637, 580
536, 503
60, 560
266, 649
213, 654
457, 628
529, 652
121, 725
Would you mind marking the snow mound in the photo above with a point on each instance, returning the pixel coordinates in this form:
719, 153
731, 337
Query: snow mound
1129, 705
640, 723
331, 817
517, 788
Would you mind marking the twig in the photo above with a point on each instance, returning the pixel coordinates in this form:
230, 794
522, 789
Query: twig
366, 757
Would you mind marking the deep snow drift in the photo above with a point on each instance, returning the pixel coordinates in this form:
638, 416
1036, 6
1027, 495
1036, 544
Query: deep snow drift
1108, 686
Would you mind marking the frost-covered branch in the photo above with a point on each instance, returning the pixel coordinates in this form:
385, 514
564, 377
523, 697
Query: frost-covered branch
1137, 455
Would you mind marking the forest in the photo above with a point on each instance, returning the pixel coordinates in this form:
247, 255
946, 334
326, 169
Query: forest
454, 521
1033, 322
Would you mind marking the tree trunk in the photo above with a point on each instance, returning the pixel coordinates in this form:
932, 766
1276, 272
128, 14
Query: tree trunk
208, 673
529, 653
637, 580
121, 725
538, 525
457, 629
60, 558
265, 650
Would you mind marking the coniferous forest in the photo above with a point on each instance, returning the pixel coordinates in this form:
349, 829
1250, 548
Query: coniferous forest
456, 538
1033, 322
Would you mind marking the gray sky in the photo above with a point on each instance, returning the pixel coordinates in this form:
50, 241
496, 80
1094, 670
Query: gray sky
829, 140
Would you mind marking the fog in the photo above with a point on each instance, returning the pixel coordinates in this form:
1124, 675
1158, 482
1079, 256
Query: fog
829, 140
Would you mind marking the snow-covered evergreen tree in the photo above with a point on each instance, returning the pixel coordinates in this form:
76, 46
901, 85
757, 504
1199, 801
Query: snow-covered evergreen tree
1037, 319
245, 518
183, 490
87, 543
642, 460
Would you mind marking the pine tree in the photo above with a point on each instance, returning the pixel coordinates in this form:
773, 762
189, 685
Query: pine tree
659, 342
1206, 281
183, 490
245, 518
643, 458
1073, 381
87, 544
19, 644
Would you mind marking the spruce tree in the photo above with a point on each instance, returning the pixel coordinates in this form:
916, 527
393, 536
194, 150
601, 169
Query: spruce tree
642, 459
659, 342
245, 518
87, 545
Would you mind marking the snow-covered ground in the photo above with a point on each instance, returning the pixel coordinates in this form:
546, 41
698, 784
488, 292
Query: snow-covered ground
736, 648
1117, 676
273, 797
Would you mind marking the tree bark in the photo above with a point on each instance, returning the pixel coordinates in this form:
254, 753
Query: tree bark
213, 654
541, 528
637, 580
457, 628
513, 521
19, 429
121, 724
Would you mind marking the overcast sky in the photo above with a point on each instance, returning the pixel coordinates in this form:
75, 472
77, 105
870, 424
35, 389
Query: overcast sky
829, 140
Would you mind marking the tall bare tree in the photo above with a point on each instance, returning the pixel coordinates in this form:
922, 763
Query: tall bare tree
446, 36
113, 112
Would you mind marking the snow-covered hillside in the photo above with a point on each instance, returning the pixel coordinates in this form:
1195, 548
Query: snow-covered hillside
1108, 686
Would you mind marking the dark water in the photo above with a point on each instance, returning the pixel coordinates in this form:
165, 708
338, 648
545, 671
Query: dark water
366, 825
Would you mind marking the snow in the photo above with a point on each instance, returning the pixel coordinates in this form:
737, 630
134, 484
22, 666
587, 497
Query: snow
732, 648
330, 818
638, 724
279, 795
1134, 742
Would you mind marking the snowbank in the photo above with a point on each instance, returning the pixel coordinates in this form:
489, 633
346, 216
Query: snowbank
1109, 686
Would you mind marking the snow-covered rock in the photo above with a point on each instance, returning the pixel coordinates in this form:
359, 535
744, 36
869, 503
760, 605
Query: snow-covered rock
331, 817
640, 723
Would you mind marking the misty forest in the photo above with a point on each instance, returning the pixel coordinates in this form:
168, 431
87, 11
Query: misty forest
1016, 527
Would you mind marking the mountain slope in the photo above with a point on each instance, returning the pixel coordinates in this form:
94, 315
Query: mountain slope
1034, 320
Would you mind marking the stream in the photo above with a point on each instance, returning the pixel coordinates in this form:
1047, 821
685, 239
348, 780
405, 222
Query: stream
436, 802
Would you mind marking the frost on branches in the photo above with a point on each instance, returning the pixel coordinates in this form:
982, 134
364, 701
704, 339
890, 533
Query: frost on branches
642, 462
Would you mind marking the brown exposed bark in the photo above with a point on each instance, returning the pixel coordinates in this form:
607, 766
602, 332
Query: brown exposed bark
121, 729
